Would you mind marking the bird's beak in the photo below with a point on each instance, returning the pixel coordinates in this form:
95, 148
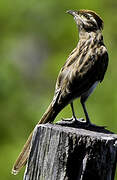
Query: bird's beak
76, 16
72, 12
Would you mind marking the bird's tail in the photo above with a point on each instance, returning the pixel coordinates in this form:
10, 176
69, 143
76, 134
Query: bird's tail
48, 116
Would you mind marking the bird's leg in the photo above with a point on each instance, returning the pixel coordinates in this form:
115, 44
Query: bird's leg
88, 122
73, 114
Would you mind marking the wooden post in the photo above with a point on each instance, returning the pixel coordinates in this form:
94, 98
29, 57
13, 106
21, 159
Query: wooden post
70, 153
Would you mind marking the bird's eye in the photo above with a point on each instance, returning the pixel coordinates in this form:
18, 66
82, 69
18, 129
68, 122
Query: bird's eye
83, 16
86, 16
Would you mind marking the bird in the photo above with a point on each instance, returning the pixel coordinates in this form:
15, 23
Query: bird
83, 70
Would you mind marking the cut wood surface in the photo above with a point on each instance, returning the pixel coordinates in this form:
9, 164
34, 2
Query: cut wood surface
71, 153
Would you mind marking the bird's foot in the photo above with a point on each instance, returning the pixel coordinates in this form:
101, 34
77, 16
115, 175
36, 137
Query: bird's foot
67, 119
90, 125
81, 123
81, 120
87, 124
74, 119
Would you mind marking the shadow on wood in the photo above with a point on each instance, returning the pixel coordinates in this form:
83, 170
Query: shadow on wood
67, 153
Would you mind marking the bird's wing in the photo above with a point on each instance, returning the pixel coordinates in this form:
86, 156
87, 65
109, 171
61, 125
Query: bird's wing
103, 65
78, 77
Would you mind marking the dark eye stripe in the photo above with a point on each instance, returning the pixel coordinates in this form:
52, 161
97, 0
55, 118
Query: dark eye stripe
86, 15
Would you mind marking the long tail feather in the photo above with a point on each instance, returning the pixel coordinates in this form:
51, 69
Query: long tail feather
48, 116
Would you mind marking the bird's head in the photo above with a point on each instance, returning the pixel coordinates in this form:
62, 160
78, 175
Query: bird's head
87, 20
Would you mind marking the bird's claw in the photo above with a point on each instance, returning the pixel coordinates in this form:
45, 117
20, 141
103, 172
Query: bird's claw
67, 119
81, 120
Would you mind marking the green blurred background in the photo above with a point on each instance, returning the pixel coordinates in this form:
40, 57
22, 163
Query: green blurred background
35, 40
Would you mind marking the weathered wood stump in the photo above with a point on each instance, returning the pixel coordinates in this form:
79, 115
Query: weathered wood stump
71, 153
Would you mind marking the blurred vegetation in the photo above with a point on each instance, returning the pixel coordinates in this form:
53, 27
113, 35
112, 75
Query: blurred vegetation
35, 40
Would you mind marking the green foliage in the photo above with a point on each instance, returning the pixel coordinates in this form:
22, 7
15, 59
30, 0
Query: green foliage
35, 39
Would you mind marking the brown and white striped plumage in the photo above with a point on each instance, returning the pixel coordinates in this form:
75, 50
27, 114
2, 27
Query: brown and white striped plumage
84, 68
86, 65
